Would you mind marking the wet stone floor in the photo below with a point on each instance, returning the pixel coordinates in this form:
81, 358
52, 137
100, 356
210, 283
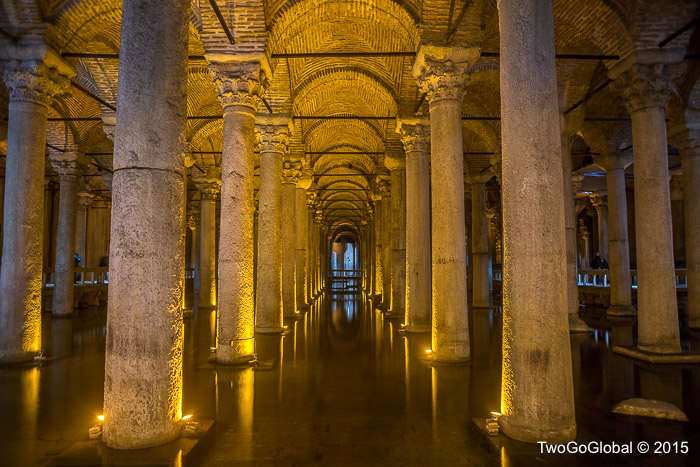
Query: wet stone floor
344, 387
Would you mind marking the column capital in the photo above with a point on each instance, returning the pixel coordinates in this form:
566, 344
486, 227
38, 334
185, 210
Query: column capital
599, 203
645, 85
441, 71
68, 165
310, 198
577, 181
394, 161
479, 177
291, 171
109, 123
415, 134
240, 84
192, 221
273, 133
687, 141
613, 162
384, 185
305, 181
84, 200
209, 189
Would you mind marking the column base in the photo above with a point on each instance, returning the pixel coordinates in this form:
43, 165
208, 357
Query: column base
391, 314
269, 330
656, 357
19, 357
576, 324
621, 311
480, 308
436, 357
534, 432
236, 352
417, 328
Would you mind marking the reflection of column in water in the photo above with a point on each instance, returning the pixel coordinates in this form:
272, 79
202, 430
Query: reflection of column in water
235, 402
450, 386
665, 384
578, 340
481, 334
60, 338
418, 374
270, 350
29, 389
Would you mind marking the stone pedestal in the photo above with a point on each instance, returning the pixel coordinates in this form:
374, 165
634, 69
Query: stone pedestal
240, 90
396, 163
209, 191
646, 89
68, 169
537, 383
416, 140
441, 74
290, 175
273, 138
480, 241
143, 360
620, 278
31, 84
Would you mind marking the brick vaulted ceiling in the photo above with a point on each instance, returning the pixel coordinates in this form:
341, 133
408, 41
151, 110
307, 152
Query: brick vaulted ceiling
351, 86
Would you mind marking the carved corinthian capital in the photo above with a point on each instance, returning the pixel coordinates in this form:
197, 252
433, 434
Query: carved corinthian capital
291, 171
34, 82
441, 72
648, 85
273, 133
415, 134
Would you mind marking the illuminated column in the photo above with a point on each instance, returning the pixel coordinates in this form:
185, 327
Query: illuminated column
396, 163
480, 241
537, 393
143, 360
290, 175
601, 207
620, 278
441, 74
273, 135
209, 191
310, 247
416, 140
386, 243
69, 168
31, 86
688, 143
646, 88
378, 249
240, 92
302, 241
84, 200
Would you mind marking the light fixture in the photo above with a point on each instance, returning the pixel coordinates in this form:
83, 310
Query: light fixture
428, 351
101, 418
491, 425
95, 431
187, 417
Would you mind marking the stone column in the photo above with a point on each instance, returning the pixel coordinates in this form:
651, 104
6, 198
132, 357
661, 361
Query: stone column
302, 241
646, 88
290, 176
30, 85
688, 143
620, 278
537, 382
386, 245
84, 200
416, 140
441, 74
240, 91
480, 241
209, 191
378, 248
69, 169
396, 163
143, 361
310, 248
273, 136
601, 208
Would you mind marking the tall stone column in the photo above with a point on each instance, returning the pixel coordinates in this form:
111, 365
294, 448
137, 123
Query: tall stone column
302, 241
69, 169
84, 200
601, 208
480, 241
209, 191
378, 248
688, 143
537, 383
240, 90
646, 88
290, 175
310, 248
396, 163
143, 360
273, 136
415, 135
441, 74
386, 245
31, 84
620, 278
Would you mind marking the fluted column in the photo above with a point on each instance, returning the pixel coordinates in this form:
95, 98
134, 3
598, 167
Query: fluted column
619, 261
480, 241
688, 142
646, 88
415, 135
537, 384
69, 169
302, 240
240, 91
273, 137
601, 208
143, 360
31, 85
441, 74
396, 163
209, 191
290, 175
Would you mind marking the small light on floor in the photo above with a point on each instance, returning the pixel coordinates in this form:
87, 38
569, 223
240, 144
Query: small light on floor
428, 351
187, 417
491, 426
101, 418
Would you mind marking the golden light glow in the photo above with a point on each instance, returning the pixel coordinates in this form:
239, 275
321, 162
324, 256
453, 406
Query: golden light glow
187, 417
428, 351
101, 418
